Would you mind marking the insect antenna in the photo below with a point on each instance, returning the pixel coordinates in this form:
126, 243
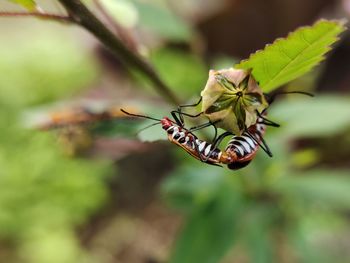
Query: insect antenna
145, 117
139, 116
145, 128
271, 97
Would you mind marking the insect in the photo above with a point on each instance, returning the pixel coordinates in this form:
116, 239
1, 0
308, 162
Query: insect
76, 116
240, 150
243, 148
185, 139
75, 127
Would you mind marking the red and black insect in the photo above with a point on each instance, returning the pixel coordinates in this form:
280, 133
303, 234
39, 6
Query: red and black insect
77, 116
238, 153
185, 139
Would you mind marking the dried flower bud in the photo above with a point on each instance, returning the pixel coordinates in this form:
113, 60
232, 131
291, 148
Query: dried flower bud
231, 98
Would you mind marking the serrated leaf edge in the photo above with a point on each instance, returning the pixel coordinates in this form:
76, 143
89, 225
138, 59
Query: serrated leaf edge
339, 22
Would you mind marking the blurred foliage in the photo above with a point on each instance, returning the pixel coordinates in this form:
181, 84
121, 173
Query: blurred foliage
167, 25
302, 117
123, 11
183, 71
269, 200
141, 14
43, 194
289, 208
67, 67
28, 4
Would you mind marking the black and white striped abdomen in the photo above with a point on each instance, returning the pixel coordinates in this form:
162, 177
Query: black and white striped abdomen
207, 150
242, 145
191, 142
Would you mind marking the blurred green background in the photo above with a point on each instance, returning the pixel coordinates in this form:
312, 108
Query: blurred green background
97, 193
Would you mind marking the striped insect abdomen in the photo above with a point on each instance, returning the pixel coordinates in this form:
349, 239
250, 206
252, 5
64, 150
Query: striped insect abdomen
243, 148
199, 149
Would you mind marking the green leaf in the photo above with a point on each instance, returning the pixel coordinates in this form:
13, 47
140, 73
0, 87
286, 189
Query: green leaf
191, 186
259, 223
298, 240
211, 230
311, 117
289, 58
326, 188
28, 4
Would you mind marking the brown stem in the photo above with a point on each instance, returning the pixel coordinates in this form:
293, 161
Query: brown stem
59, 18
82, 16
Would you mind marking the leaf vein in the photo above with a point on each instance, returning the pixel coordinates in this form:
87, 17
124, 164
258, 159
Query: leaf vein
283, 51
325, 36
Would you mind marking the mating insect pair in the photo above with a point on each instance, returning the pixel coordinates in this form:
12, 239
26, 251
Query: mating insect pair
240, 150
238, 153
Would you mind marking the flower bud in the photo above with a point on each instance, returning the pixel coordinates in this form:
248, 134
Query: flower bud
231, 99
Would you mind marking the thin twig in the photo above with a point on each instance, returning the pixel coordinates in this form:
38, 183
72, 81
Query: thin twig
84, 17
55, 17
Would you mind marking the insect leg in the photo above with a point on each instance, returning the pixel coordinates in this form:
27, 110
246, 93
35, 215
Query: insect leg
191, 105
177, 120
197, 149
265, 147
217, 142
205, 160
269, 124
179, 108
220, 138
199, 127
270, 97
188, 115
267, 121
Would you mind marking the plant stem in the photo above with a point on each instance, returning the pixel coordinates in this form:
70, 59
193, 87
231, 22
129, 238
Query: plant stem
84, 17
55, 17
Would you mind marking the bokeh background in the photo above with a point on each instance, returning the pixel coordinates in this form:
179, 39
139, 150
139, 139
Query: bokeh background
98, 193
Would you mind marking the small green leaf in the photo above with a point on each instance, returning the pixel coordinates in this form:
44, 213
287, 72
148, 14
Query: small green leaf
289, 58
326, 188
191, 186
311, 117
257, 229
212, 229
28, 4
